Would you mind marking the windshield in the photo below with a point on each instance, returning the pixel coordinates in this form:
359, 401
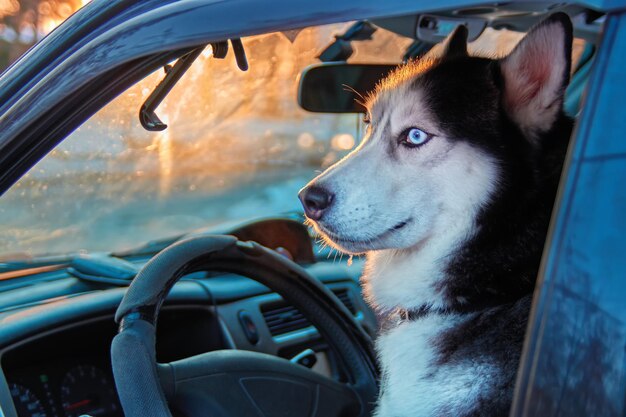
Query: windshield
237, 147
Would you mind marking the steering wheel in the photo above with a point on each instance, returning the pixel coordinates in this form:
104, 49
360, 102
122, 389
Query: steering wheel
237, 383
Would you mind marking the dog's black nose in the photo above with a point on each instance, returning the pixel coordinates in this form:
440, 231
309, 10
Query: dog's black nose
315, 201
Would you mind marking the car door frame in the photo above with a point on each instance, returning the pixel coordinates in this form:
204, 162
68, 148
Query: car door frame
574, 360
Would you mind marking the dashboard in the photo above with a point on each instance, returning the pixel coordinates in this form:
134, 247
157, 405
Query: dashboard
68, 372
54, 353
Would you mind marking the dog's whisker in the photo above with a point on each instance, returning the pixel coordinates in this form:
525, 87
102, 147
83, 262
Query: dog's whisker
346, 87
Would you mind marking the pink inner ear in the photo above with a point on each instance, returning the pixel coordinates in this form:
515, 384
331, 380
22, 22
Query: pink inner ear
534, 66
530, 75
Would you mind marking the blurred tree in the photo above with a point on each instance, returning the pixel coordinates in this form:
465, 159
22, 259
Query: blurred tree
24, 22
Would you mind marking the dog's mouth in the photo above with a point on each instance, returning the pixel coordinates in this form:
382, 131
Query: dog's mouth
362, 244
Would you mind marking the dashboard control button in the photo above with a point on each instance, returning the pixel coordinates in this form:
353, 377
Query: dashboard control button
305, 358
249, 328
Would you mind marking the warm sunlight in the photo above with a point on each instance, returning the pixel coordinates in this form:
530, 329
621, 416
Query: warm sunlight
237, 138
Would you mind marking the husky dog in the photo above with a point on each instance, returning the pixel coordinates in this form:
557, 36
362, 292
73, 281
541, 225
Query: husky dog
450, 195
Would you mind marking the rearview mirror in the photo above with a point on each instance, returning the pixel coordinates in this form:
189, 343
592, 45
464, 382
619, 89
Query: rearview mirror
330, 87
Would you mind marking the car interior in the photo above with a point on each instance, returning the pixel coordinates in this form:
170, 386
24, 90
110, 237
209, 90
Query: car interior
216, 143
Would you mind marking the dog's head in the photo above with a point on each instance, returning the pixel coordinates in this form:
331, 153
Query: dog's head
440, 131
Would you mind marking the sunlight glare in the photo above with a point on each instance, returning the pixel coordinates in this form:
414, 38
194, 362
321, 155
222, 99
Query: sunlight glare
306, 140
208, 52
343, 142
166, 161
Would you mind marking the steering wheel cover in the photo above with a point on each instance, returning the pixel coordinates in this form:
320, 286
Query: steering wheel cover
133, 354
155, 280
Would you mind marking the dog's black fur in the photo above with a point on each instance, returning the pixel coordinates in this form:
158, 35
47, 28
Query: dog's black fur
501, 262
491, 277
494, 336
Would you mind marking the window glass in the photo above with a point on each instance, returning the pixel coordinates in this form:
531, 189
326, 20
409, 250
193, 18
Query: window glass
237, 147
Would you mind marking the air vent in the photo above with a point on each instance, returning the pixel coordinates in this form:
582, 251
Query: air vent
282, 318
344, 297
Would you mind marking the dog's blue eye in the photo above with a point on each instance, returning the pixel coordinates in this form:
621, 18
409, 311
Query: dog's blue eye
416, 137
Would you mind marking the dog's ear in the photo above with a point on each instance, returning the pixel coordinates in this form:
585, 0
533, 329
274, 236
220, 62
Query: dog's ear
455, 46
536, 73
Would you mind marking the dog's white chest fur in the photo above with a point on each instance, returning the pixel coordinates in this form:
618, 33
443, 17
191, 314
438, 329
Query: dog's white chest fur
415, 383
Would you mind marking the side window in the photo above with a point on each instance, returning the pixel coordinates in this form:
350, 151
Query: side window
237, 147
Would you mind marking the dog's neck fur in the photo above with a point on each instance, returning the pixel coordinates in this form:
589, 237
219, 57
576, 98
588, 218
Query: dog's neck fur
407, 278
476, 263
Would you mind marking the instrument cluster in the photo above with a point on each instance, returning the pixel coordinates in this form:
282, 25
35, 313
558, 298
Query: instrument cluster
69, 389
67, 373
